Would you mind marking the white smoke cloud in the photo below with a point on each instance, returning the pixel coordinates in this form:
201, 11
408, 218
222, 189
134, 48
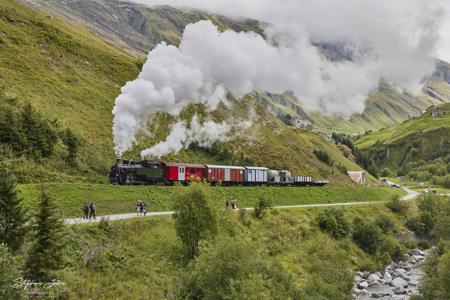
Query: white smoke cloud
387, 40
181, 136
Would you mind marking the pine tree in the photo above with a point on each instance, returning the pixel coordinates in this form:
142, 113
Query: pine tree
72, 143
12, 215
46, 253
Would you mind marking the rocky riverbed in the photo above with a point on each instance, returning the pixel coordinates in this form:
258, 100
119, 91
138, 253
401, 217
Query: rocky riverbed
398, 281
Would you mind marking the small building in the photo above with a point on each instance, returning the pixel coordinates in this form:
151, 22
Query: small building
302, 123
358, 177
437, 112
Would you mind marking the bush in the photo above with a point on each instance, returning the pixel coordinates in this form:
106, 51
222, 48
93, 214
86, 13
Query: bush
424, 244
392, 247
386, 172
261, 207
323, 157
334, 222
441, 230
444, 275
368, 236
385, 223
397, 206
230, 269
446, 182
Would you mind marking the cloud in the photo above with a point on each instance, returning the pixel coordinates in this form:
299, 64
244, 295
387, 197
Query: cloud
386, 40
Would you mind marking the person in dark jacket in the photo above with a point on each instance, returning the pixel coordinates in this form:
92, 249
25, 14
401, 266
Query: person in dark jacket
92, 210
85, 211
144, 208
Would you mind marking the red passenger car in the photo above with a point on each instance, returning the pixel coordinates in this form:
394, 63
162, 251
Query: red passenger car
173, 172
225, 174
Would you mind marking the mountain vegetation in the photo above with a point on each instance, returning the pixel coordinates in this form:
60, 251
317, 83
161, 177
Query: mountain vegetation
419, 148
72, 80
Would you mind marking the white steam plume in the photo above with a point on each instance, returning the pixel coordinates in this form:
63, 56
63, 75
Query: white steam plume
386, 40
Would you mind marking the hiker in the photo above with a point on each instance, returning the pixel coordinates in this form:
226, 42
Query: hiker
233, 204
85, 210
227, 203
144, 209
92, 210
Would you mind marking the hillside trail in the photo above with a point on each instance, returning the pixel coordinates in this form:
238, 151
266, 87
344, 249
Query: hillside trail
116, 217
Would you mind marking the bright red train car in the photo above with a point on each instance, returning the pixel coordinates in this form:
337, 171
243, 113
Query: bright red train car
182, 172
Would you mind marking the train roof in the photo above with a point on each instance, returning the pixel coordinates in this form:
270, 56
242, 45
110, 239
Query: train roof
184, 165
257, 168
225, 167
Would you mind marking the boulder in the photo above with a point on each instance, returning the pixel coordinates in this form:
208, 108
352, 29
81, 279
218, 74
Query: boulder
399, 282
400, 290
387, 277
366, 274
373, 278
417, 252
363, 285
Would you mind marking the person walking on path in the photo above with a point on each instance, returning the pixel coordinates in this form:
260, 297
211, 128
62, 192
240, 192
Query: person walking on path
233, 204
144, 208
85, 211
92, 210
140, 208
227, 203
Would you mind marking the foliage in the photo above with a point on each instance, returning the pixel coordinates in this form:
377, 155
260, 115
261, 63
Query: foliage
397, 206
12, 215
367, 235
194, 219
444, 274
45, 256
392, 247
261, 207
334, 222
231, 269
385, 223
9, 272
441, 230
323, 157
72, 143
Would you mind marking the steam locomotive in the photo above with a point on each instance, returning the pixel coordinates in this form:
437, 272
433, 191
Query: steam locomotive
128, 172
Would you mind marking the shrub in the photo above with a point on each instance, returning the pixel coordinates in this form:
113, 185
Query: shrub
446, 182
441, 230
386, 172
397, 206
323, 157
261, 207
424, 244
385, 223
194, 219
392, 247
368, 236
334, 222
423, 224
444, 275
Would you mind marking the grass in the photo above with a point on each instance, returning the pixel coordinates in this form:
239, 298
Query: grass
426, 123
137, 259
110, 199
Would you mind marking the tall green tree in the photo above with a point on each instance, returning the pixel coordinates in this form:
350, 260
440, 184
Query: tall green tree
194, 219
9, 272
45, 255
72, 143
12, 214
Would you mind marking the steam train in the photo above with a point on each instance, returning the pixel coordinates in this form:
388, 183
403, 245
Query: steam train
128, 172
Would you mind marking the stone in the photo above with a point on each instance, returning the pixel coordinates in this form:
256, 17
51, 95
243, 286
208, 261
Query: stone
363, 285
366, 274
387, 277
417, 252
360, 274
399, 282
400, 290
357, 279
373, 278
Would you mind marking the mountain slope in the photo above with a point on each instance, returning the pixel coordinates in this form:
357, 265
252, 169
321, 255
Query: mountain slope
70, 74
135, 27
419, 148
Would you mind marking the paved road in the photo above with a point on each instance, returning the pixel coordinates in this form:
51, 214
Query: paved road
409, 196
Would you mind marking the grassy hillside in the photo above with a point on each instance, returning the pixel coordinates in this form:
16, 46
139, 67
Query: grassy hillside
143, 258
418, 148
67, 73
109, 199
